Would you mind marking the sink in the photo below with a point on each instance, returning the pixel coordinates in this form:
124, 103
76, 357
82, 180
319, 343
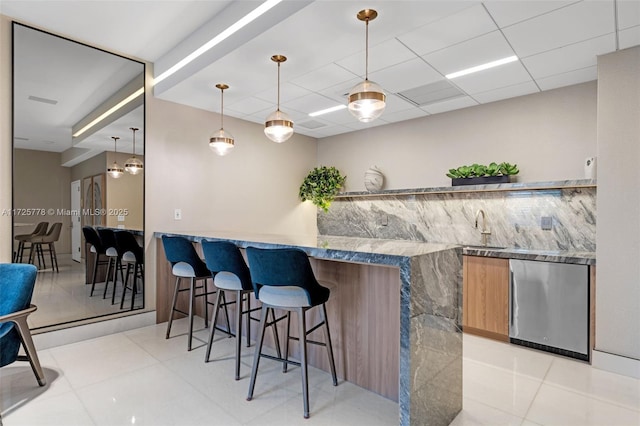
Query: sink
483, 247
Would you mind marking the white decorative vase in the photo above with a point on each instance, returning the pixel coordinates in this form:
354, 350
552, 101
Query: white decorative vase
373, 179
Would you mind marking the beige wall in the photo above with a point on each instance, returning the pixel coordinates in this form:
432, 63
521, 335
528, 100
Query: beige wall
90, 167
40, 182
125, 194
618, 238
548, 135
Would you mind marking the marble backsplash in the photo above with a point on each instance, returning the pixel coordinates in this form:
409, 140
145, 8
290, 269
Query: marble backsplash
512, 217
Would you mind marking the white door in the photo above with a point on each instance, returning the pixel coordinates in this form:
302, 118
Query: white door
76, 227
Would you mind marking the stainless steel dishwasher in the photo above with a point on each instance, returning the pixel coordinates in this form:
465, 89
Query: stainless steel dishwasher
549, 307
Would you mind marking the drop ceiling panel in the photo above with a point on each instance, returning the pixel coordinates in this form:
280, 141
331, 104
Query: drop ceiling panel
324, 77
340, 91
508, 13
569, 58
507, 92
477, 51
396, 104
628, 13
629, 37
330, 131
568, 78
494, 78
450, 105
571, 24
309, 103
407, 114
464, 25
406, 75
288, 92
342, 117
383, 55
248, 106
357, 125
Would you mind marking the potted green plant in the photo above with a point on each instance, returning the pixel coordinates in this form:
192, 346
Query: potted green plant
479, 174
321, 186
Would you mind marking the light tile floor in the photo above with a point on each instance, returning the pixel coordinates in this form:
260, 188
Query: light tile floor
138, 377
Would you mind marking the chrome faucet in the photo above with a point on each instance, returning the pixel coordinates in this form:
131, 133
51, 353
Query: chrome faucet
484, 232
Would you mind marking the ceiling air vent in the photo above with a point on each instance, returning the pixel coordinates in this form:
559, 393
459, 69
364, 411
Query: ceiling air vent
43, 100
431, 93
312, 124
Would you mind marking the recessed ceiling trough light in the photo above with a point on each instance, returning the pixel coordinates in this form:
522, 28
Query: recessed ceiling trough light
482, 67
327, 110
43, 100
110, 111
248, 18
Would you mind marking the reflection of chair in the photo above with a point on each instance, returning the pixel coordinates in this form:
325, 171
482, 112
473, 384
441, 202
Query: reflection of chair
231, 273
91, 237
132, 254
185, 263
108, 239
283, 279
16, 286
50, 241
41, 229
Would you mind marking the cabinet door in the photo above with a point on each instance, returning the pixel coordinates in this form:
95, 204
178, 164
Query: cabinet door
486, 297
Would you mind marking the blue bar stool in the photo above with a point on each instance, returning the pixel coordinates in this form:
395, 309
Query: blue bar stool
283, 279
185, 263
231, 273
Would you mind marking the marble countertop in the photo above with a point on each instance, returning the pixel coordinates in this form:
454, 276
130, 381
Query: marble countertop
559, 256
363, 250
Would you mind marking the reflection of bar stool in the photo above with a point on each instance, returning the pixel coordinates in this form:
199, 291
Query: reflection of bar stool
231, 273
108, 239
132, 255
91, 237
283, 279
22, 239
185, 263
50, 241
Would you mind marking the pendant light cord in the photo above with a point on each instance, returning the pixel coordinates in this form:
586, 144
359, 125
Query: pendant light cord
115, 143
134, 140
278, 86
221, 109
366, 67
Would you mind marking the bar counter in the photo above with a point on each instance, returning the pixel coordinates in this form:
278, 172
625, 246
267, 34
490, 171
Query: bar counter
395, 313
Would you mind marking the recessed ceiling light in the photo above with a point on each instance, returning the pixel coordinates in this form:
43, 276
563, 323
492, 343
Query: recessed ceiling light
110, 111
242, 22
482, 67
43, 100
327, 110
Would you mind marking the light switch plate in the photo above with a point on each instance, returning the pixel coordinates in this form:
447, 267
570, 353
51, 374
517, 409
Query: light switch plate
546, 223
120, 218
177, 214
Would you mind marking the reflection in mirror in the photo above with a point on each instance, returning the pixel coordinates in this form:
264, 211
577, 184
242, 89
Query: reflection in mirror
69, 100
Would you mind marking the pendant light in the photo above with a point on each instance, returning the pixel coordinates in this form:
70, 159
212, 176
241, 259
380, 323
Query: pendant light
221, 142
366, 99
133, 164
278, 127
115, 171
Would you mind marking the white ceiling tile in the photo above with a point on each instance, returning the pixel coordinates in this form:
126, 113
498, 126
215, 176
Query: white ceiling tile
330, 131
340, 91
357, 125
461, 26
477, 51
629, 37
571, 24
568, 78
507, 92
508, 13
407, 114
324, 77
569, 58
383, 55
249, 106
288, 92
342, 117
450, 105
404, 76
494, 78
628, 13
396, 104
309, 103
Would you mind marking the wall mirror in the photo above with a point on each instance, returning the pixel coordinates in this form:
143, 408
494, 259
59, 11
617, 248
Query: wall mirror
69, 100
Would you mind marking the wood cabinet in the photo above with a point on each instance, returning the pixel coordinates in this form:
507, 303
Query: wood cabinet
485, 300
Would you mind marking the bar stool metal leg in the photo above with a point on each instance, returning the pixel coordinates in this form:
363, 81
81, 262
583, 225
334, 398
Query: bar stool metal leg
303, 360
173, 306
327, 337
256, 357
192, 308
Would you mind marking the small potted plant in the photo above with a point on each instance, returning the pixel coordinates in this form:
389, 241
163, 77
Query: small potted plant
478, 174
321, 186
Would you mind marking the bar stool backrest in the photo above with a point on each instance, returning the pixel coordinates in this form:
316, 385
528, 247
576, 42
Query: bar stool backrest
92, 237
180, 250
224, 256
126, 241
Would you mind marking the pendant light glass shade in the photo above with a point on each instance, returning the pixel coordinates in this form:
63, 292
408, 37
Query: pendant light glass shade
115, 170
367, 99
278, 126
221, 142
133, 165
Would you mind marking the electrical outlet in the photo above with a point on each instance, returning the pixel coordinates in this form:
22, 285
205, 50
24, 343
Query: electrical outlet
120, 218
546, 223
177, 214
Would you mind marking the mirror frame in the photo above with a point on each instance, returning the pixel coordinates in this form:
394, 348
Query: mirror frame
101, 317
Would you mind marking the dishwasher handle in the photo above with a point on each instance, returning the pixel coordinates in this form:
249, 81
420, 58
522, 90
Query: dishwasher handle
511, 297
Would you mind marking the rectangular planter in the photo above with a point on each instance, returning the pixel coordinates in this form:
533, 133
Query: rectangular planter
484, 180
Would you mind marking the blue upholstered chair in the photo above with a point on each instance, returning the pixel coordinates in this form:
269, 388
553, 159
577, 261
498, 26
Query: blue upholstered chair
185, 263
132, 255
283, 279
231, 273
16, 286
